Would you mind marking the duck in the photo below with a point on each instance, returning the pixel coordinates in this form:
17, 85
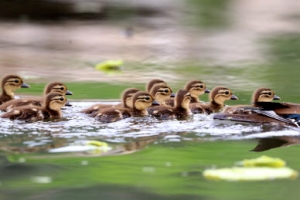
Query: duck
262, 110
160, 93
196, 88
261, 94
154, 82
51, 109
180, 110
218, 96
57, 87
9, 84
140, 102
126, 101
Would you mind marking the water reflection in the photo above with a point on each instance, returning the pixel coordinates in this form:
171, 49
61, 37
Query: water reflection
265, 144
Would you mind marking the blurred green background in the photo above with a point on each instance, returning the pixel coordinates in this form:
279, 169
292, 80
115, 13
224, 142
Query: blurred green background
240, 44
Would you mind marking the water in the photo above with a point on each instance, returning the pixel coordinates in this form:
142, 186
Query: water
147, 158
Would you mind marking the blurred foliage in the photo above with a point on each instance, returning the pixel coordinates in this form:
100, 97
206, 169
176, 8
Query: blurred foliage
170, 170
208, 14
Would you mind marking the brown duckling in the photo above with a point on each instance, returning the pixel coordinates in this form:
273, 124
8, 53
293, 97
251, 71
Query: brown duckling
217, 97
179, 111
161, 93
49, 88
259, 95
51, 109
140, 102
126, 99
9, 85
196, 88
154, 82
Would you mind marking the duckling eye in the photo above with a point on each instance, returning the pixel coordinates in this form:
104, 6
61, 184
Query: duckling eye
147, 98
201, 86
226, 92
62, 88
166, 91
16, 81
61, 99
270, 93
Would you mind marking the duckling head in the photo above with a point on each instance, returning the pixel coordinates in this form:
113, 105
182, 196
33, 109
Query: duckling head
10, 83
196, 88
264, 95
183, 99
55, 101
161, 93
127, 97
221, 94
153, 83
142, 100
57, 87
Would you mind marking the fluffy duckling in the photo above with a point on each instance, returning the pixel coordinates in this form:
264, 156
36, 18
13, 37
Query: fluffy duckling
51, 108
126, 98
259, 95
9, 85
153, 83
161, 93
179, 111
196, 88
217, 97
49, 88
140, 102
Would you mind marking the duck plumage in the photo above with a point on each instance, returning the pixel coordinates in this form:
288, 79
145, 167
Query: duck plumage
9, 84
140, 102
126, 101
179, 111
51, 109
49, 88
218, 96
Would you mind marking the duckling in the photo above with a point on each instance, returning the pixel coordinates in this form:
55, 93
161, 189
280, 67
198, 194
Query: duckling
9, 85
51, 109
217, 97
161, 93
196, 88
180, 110
51, 87
259, 95
126, 98
154, 82
140, 102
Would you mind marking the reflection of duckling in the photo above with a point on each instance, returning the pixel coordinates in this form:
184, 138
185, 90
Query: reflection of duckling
179, 111
51, 87
217, 97
126, 102
275, 142
9, 84
259, 95
196, 88
141, 101
161, 93
50, 109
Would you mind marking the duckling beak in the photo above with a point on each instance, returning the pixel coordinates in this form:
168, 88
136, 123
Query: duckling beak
276, 97
233, 97
207, 91
25, 85
173, 95
68, 92
155, 103
68, 104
